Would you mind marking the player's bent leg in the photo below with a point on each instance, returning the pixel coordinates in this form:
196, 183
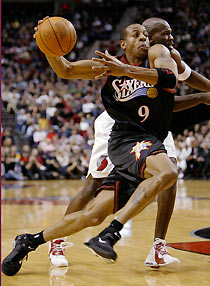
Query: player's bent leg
57, 246
166, 201
122, 189
92, 215
158, 255
98, 209
25, 243
105, 238
161, 174
85, 195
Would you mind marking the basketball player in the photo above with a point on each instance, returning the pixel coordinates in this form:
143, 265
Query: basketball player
157, 174
159, 32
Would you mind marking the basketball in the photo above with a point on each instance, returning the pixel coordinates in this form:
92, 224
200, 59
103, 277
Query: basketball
56, 36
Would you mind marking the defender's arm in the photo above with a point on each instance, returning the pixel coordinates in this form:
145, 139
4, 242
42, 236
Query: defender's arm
188, 76
190, 100
198, 81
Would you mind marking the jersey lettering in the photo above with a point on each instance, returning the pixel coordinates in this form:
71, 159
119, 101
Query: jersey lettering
128, 89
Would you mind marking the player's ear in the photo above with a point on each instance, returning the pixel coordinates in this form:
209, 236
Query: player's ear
151, 41
123, 44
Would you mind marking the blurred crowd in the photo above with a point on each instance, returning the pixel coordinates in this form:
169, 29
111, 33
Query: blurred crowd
57, 127
55, 117
64, 153
193, 152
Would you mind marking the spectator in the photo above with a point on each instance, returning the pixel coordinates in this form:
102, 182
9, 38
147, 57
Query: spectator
24, 159
88, 106
34, 167
21, 120
52, 166
11, 164
63, 158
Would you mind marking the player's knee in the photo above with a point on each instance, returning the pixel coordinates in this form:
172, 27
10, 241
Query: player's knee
92, 219
169, 177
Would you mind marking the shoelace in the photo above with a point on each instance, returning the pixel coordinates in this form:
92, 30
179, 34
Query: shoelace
160, 247
112, 237
26, 256
58, 249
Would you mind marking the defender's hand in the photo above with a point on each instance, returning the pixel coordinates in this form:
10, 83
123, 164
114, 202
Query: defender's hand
205, 98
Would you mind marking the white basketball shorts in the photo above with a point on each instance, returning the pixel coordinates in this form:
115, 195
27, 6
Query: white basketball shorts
100, 165
169, 145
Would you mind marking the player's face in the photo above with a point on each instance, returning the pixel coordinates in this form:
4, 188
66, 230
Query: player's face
137, 41
163, 36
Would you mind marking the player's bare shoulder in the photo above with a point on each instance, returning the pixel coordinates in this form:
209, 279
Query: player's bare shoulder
158, 50
160, 57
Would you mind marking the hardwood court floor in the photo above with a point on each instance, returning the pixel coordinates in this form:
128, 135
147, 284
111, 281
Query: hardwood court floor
31, 206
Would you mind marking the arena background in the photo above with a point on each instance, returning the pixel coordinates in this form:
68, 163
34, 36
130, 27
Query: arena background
47, 122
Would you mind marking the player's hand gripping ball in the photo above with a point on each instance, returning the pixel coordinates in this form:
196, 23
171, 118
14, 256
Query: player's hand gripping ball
55, 36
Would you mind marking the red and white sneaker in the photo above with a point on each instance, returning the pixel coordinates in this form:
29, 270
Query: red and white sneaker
159, 256
56, 252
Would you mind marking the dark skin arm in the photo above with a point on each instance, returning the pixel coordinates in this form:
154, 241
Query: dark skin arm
190, 100
198, 81
195, 80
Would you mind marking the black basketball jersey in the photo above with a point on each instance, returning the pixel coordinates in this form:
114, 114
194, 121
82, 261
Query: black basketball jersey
138, 106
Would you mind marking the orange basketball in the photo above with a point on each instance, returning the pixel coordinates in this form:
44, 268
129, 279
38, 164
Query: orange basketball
56, 36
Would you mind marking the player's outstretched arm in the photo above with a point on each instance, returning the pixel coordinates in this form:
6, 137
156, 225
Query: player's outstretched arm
160, 58
198, 81
70, 70
189, 76
190, 100
73, 70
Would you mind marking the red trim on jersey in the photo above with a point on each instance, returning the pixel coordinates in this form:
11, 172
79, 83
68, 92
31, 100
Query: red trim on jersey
125, 61
114, 188
148, 61
157, 152
170, 90
116, 197
105, 81
143, 166
105, 187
